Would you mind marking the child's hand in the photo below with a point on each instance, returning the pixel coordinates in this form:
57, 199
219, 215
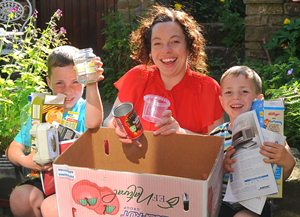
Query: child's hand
47, 167
227, 162
275, 153
27, 162
168, 125
279, 154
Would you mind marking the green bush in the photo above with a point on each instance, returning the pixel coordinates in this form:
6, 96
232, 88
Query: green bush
281, 80
232, 16
230, 12
207, 11
23, 70
285, 43
281, 77
116, 52
291, 95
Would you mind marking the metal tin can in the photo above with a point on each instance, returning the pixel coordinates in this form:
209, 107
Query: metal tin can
128, 120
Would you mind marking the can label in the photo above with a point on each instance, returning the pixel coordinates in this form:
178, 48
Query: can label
128, 120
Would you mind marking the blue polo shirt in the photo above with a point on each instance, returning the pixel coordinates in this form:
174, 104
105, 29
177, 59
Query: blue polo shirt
74, 118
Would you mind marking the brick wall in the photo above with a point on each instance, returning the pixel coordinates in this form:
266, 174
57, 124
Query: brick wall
263, 19
133, 7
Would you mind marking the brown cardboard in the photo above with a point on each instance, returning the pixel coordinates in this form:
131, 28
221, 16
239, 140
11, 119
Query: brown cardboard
188, 156
173, 155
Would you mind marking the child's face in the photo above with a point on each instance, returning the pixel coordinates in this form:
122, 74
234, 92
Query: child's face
63, 80
237, 95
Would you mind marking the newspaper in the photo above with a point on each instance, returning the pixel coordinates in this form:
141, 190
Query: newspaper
257, 204
252, 179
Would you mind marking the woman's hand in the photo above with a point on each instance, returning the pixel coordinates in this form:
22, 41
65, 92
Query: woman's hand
123, 135
120, 133
228, 161
168, 125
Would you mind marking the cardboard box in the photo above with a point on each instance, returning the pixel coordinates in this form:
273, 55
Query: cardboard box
274, 115
274, 121
270, 114
176, 175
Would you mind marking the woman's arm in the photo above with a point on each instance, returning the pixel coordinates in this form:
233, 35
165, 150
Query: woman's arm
215, 124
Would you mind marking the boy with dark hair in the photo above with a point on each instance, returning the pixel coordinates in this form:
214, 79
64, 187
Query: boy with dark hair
28, 199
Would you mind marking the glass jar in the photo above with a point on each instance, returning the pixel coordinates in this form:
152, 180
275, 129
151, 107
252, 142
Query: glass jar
86, 71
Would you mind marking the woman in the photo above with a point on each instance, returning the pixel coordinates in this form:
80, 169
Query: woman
170, 47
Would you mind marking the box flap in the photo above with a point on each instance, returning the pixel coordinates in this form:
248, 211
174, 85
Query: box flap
173, 155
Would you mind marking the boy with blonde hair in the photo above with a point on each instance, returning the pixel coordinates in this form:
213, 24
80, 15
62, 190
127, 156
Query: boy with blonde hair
240, 86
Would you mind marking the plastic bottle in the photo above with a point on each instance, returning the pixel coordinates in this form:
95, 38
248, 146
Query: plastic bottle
85, 66
36, 109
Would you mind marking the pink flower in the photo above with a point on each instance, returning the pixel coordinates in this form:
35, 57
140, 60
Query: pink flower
62, 30
35, 14
58, 13
14, 9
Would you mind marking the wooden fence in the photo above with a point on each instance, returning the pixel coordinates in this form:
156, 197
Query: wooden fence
82, 19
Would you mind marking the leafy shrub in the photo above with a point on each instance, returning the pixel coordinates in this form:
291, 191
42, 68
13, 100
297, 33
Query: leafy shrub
291, 94
206, 11
230, 12
23, 70
281, 80
285, 42
232, 16
116, 52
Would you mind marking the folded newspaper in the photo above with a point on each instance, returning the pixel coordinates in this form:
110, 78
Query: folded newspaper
252, 179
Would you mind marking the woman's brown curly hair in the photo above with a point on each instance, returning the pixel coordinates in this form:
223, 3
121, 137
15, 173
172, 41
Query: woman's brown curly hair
140, 40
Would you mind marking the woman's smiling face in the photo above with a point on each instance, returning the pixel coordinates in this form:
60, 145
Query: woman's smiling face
169, 48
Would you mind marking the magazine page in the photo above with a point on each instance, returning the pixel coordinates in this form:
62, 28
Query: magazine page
257, 204
251, 177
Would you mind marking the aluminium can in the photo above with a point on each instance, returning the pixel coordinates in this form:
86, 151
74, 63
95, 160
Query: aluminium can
128, 120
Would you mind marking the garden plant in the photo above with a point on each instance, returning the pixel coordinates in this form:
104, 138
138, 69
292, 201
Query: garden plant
281, 77
23, 70
116, 51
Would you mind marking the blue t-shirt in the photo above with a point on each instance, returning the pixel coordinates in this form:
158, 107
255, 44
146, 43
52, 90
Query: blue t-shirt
74, 118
